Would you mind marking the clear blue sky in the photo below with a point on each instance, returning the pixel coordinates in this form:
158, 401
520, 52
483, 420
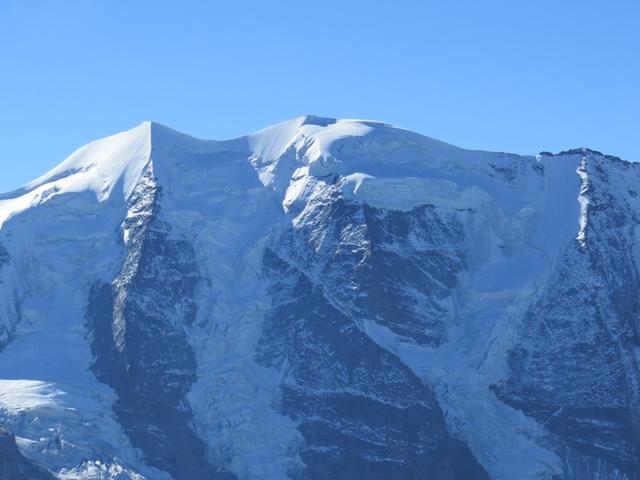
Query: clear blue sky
521, 76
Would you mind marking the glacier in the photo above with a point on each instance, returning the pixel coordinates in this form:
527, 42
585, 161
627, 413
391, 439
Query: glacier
323, 298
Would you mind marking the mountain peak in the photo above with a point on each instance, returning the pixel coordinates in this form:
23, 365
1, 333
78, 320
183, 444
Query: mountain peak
99, 166
307, 145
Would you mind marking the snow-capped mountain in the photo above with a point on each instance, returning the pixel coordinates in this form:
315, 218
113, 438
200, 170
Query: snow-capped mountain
323, 299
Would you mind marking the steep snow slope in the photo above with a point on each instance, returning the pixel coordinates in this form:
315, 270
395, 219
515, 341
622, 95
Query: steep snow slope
321, 299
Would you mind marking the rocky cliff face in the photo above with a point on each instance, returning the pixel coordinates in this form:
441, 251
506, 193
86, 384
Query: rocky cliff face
13, 465
320, 299
361, 410
138, 326
574, 366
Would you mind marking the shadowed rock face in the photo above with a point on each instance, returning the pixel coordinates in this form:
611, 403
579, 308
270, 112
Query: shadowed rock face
13, 465
5, 333
574, 368
139, 340
395, 268
4, 257
363, 413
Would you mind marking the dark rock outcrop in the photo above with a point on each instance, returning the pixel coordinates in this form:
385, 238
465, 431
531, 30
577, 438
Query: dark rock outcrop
363, 413
14, 465
137, 325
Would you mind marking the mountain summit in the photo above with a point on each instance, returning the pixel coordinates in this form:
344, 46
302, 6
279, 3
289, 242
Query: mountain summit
320, 299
